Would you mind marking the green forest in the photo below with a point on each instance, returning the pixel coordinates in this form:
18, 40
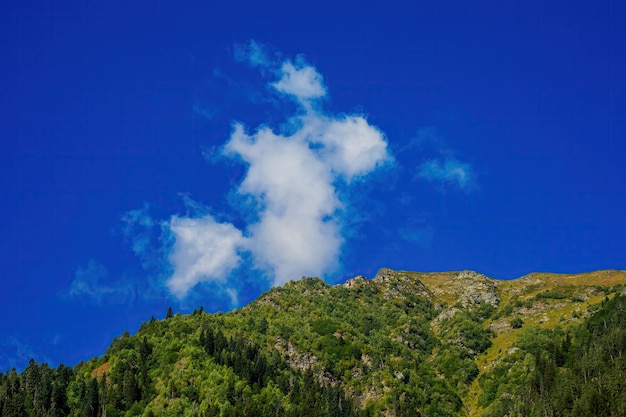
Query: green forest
401, 344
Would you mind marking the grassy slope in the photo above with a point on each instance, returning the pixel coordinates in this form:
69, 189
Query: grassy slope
367, 334
581, 290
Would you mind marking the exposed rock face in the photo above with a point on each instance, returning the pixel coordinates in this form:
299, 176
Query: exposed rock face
355, 282
394, 284
500, 326
469, 287
443, 316
384, 275
300, 360
303, 361
269, 300
477, 288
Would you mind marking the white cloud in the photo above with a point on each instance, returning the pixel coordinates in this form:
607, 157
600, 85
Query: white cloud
351, 146
448, 172
302, 82
298, 232
283, 171
204, 250
292, 180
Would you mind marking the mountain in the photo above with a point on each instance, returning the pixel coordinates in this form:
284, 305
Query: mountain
399, 344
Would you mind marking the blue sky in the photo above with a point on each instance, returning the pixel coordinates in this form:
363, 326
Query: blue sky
154, 155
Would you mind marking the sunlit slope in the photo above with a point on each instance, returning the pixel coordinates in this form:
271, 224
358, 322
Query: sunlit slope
546, 300
398, 344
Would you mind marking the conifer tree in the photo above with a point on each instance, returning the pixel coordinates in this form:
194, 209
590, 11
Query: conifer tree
91, 403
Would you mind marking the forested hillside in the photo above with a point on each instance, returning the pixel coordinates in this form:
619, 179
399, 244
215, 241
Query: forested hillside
400, 344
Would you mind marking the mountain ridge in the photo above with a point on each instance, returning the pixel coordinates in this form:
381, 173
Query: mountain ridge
400, 343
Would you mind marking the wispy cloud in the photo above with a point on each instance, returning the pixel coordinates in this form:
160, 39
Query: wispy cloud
15, 352
92, 282
420, 236
252, 53
203, 111
146, 237
448, 172
292, 186
440, 165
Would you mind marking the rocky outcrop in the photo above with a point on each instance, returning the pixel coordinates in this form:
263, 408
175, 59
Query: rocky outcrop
477, 288
303, 361
355, 282
394, 284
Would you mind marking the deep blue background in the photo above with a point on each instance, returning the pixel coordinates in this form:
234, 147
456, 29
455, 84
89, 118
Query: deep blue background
97, 118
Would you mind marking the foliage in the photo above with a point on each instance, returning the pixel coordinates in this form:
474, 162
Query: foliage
516, 322
377, 347
555, 373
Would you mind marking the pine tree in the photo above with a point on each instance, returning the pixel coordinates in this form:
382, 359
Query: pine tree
131, 392
91, 403
43, 391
